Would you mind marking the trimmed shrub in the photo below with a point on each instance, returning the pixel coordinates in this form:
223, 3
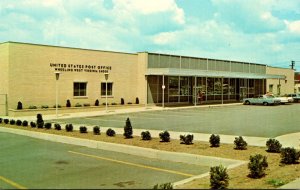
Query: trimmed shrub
57, 126
240, 143
289, 155
32, 124
96, 130
69, 127
164, 136
114, 103
86, 104
18, 122
110, 132
20, 106
58, 106
214, 140
273, 145
12, 122
6, 121
78, 105
186, 139
48, 125
39, 121
83, 129
97, 102
68, 104
25, 123
257, 166
0, 120
146, 136
137, 101
128, 129
129, 103
163, 186
32, 107
219, 178
122, 101
45, 106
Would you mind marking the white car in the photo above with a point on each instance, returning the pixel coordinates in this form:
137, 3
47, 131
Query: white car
285, 99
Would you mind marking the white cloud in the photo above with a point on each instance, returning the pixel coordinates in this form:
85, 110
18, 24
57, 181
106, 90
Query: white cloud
136, 7
293, 26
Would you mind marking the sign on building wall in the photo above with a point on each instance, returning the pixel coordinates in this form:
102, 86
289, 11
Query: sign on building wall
61, 67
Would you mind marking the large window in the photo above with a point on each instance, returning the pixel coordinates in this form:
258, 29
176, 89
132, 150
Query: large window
79, 88
109, 89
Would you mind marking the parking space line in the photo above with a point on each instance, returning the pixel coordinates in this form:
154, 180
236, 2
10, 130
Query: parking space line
14, 184
133, 164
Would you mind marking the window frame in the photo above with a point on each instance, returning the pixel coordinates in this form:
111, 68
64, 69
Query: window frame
109, 91
80, 90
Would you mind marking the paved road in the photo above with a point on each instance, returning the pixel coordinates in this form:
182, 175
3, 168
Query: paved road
31, 163
254, 120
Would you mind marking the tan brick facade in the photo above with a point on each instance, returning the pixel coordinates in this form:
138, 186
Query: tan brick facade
27, 74
283, 86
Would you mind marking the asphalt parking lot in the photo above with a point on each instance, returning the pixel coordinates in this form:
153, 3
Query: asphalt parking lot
252, 120
37, 164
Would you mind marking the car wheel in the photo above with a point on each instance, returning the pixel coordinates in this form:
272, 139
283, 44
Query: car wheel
265, 103
247, 102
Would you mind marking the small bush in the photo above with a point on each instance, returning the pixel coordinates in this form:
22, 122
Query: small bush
12, 122
97, 102
6, 121
129, 103
104, 103
86, 104
32, 107
78, 105
219, 178
48, 125
58, 106
186, 139
273, 145
240, 143
289, 155
137, 101
39, 121
122, 101
163, 186
113, 103
18, 122
68, 104
164, 136
214, 140
32, 124
257, 166
20, 106
110, 132
128, 129
0, 120
69, 127
45, 106
25, 123
146, 136
96, 130
83, 129
57, 126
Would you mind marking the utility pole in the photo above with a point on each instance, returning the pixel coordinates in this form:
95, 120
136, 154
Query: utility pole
292, 64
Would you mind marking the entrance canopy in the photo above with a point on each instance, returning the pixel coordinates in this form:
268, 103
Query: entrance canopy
207, 73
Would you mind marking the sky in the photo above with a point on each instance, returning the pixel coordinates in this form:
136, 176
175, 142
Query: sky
256, 31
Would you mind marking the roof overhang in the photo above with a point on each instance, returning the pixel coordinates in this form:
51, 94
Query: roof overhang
205, 73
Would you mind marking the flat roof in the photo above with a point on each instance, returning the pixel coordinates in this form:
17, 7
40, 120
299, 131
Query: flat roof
33, 44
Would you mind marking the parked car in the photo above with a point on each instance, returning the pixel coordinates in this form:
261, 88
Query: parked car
296, 97
262, 99
284, 99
